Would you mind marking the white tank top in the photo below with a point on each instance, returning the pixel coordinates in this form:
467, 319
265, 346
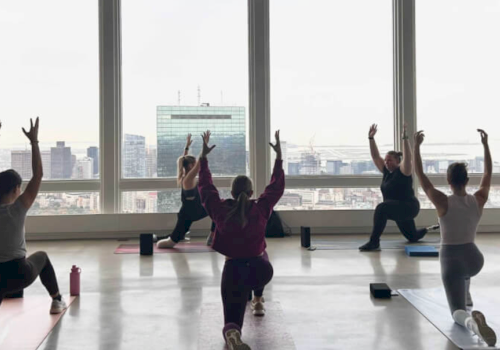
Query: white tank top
459, 224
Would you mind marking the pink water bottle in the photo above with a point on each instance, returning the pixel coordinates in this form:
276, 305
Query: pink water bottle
74, 280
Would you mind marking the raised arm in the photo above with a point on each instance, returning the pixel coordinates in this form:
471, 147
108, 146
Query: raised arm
274, 191
484, 188
406, 166
438, 198
377, 159
30, 193
189, 142
208, 192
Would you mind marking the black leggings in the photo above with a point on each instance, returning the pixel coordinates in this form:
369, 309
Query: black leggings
190, 212
404, 213
15, 275
239, 278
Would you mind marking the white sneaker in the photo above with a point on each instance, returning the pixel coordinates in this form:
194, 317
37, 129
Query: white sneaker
58, 306
258, 308
233, 340
166, 243
483, 330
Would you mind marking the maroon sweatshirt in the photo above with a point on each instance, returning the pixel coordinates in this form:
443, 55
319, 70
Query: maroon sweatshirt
231, 239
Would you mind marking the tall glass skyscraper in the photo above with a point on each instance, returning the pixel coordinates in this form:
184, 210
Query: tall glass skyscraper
134, 156
228, 128
93, 152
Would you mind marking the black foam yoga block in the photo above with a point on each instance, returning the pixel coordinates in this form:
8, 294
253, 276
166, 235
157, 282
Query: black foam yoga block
15, 295
380, 290
305, 236
146, 243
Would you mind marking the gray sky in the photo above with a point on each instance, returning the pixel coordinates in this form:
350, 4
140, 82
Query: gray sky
331, 66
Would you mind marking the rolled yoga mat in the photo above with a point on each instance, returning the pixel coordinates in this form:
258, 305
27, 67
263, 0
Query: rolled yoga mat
355, 244
432, 304
260, 333
192, 247
26, 322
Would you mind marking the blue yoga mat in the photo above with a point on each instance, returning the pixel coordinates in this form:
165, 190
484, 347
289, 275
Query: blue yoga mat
423, 250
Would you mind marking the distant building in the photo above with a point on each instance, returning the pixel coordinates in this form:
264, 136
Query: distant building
93, 152
61, 161
134, 156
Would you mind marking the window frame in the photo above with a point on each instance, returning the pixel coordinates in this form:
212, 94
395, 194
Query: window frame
111, 184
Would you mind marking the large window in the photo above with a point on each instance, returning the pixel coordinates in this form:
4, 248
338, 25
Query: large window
331, 78
185, 70
457, 81
49, 67
62, 203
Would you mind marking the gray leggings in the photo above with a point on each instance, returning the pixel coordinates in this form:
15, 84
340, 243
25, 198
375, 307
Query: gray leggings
458, 264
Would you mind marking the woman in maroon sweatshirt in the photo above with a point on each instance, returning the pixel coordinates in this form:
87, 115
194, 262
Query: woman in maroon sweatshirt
240, 236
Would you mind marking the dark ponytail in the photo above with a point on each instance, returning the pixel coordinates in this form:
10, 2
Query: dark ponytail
9, 180
241, 189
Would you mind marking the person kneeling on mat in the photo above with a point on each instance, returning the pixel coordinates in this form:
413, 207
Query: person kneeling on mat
240, 236
459, 216
191, 210
16, 271
400, 203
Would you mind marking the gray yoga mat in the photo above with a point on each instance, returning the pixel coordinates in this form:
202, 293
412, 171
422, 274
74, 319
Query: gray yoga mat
355, 244
260, 333
432, 304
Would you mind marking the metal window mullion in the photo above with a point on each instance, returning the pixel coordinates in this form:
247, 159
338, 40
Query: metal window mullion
110, 103
70, 186
259, 94
129, 185
334, 182
404, 70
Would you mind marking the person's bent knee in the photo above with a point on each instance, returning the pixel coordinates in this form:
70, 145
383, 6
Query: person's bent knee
40, 254
380, 209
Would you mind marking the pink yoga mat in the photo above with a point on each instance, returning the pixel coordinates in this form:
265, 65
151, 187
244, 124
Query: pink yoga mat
26, 322
192, 247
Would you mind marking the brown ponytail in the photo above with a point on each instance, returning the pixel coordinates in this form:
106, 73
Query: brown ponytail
241, 189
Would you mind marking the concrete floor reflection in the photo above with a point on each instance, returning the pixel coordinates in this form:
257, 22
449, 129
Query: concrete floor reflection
133, 302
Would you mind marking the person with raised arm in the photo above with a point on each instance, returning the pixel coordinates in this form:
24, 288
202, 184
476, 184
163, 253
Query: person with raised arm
400, 203
16, 271
240, 237
459, 216
191, 209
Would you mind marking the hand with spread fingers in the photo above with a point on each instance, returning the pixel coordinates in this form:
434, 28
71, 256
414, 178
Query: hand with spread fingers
32, 135
189, 141
277, 146
373, 131
206, 148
